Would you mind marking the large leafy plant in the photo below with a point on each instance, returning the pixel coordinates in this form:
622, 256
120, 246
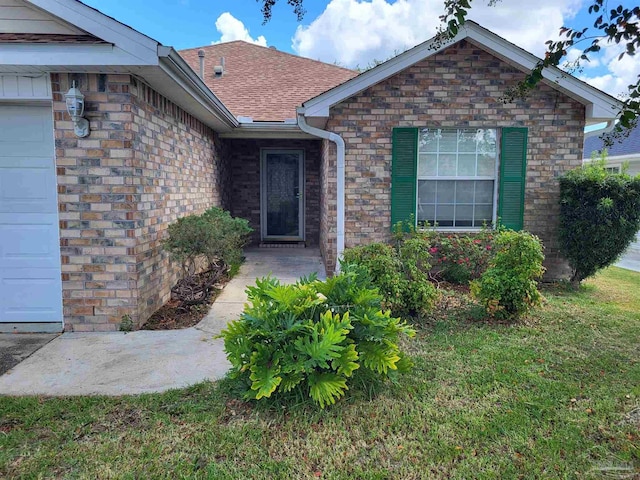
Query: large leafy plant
312, 337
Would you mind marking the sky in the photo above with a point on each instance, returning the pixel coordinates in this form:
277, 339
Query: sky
354, 33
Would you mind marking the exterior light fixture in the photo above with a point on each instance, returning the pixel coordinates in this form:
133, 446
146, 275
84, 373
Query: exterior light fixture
75, 106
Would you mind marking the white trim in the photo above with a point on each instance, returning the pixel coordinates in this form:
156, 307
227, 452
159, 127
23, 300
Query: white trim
268, 130
618, 158
66, 54
263, 194
599, 104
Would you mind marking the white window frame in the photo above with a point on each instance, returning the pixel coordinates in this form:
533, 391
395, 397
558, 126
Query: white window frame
495, 179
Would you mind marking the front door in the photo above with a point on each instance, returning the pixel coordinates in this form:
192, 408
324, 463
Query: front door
282, 195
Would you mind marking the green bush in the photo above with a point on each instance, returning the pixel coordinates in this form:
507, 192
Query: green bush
599, 217
400, 273
312, 336
508, 288
212, 237
459, 258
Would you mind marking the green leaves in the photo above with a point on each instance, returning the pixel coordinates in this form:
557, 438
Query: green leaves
310, 337
346, 363
326, 388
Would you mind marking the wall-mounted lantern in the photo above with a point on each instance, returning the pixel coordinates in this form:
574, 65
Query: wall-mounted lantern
75, 107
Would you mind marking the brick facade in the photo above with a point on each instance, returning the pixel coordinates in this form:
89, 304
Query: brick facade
145, 163
244, 158
458, 87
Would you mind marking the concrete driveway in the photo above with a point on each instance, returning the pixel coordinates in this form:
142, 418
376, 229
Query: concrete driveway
119, 363
630, 260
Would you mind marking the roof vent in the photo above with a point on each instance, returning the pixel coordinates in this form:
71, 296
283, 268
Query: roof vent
201, 58
218, 70
273, 47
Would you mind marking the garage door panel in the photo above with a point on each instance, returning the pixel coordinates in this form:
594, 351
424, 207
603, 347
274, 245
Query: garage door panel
29, 244
30, 271
29, 188
26, 297
26, 130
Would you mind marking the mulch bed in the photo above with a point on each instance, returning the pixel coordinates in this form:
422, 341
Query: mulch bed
175, 315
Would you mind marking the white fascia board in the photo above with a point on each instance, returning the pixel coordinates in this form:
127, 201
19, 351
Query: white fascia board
65, 54
631, 158
268, 130
605, 106
105, 28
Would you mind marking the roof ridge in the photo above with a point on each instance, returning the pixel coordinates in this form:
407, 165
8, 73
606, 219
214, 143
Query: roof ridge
275, 50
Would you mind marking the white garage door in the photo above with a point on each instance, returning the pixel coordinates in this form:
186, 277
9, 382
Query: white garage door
30, 281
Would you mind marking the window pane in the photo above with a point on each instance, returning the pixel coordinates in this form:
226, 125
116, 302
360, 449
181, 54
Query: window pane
426, 213
427, 166
467, 141
427, 191
444, 215
429, 140
464, 191
448, 141
467, 165
487, 141
483, 214
486, 165
447, 165
464, 216
484, 192
445, 192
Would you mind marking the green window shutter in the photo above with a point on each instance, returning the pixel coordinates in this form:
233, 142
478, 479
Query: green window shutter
404, 165
513, 171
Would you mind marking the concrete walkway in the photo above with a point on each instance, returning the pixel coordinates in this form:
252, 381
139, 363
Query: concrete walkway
151, 361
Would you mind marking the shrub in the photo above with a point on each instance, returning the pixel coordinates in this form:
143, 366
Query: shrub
599, 217
508, 288
460, 258
400, 273
312, 336
213, 237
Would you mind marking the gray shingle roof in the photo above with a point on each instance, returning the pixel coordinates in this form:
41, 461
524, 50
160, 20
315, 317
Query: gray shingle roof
628, 146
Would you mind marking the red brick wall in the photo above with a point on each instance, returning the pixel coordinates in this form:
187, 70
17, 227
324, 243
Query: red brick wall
459, 87
244, 158
145, 163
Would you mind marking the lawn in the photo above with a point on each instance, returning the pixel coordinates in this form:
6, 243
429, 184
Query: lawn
554, 396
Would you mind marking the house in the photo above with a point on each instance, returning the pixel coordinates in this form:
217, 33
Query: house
310, 153
624, 153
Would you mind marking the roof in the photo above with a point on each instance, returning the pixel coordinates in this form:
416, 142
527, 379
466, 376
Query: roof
629, 145
47, 38
264, 83
600, 106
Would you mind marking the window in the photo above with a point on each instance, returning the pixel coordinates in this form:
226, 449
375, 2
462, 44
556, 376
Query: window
453, 176
615, 169
457, 170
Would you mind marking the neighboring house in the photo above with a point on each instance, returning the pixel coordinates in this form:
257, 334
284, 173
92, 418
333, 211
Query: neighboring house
309, 152
626, 151
622, 154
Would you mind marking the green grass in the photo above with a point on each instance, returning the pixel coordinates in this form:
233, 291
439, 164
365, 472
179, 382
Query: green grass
554, 396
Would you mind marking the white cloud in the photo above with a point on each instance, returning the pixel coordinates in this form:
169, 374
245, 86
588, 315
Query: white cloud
620, 73
355, 32
230, 28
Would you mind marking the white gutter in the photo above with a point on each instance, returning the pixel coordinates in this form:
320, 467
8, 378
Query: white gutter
338, 140
606, 129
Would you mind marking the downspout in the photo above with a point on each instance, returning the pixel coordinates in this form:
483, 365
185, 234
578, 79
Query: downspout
337, 139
